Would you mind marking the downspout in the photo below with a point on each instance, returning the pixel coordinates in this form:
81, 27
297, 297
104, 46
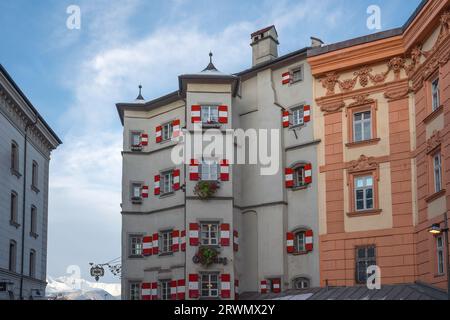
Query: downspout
185, 194
27, 126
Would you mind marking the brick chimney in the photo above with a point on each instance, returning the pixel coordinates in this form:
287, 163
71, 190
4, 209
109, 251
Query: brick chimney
264, 45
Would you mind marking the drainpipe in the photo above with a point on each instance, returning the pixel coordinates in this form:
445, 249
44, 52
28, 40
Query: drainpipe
27, 126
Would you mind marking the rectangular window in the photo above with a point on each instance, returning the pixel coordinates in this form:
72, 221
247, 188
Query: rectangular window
135, 139
299, 177
13, 207
362, 126
135, 291
435, 99
209, 234
166, 183
299, 244
32, 263
440, 254
365, 257
135, 245
136, 191
164, 289
437, 166
14, 156
209, 285
12, 256
364, 198
297, 116
33, 221
297, 74
209, 170
34, 174
165, 242
166, 131
210, 114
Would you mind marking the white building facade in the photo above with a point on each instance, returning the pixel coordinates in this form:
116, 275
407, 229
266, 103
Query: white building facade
254, 232
26, 142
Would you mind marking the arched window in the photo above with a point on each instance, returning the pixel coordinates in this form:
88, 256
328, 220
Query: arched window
301, 283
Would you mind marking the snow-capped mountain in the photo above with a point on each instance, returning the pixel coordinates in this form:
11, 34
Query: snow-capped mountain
72, 288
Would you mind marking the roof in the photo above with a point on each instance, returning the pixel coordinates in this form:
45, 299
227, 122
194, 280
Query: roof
412, 291
263, 30
367, 38
29, 104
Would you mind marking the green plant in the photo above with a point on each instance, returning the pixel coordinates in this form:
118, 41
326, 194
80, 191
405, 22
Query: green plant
205, 189
207, 255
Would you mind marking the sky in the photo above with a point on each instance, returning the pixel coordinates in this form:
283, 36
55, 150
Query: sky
75, 78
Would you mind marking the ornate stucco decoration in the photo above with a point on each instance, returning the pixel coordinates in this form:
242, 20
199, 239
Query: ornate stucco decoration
361, 100
396, 94
332, 107
434, 142
364, 163
329, 82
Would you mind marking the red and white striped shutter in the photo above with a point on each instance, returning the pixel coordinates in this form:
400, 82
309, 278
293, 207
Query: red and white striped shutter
223, 114
176, 128
157, 185
193, 170
225, 286
285, 115
181, 289
147, 246
154, 290
263, 286
144, 192
146, 291
236, 289
176, 179
225, 234
306, 113
196, 114
309, 240
175, 240
276, 284
308, 173
224, 170
286, 78
193, 234
173, 290
289, 177
144, 139
235, 241
193, 286
158, 134
290, 242
183, 240
155, 243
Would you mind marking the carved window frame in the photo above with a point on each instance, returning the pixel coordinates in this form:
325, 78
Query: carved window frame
364, 106
368, 169
429, 93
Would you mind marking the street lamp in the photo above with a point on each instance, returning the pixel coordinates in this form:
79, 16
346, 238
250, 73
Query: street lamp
437, 230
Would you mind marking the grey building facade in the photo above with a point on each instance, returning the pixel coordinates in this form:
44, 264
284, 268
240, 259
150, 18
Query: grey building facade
256, 233
24, 175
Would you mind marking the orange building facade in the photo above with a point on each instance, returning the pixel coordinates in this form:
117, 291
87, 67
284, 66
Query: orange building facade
382, 113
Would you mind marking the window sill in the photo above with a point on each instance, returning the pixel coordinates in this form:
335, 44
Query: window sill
297, 126
35, 189
439, 275
166, 195
364, 213
304, 187
16, 173
136, 200
136, 148
135, 257
435, 196
301, 253
34, 235
14, 224
433, 114
362, 143
165, 254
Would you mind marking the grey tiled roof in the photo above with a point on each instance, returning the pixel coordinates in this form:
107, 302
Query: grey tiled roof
413, 291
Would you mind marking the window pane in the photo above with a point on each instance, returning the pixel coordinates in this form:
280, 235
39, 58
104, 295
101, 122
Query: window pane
369, 181
367, 115
367, 130
358, 131
371, 252
359, 182
358, 116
